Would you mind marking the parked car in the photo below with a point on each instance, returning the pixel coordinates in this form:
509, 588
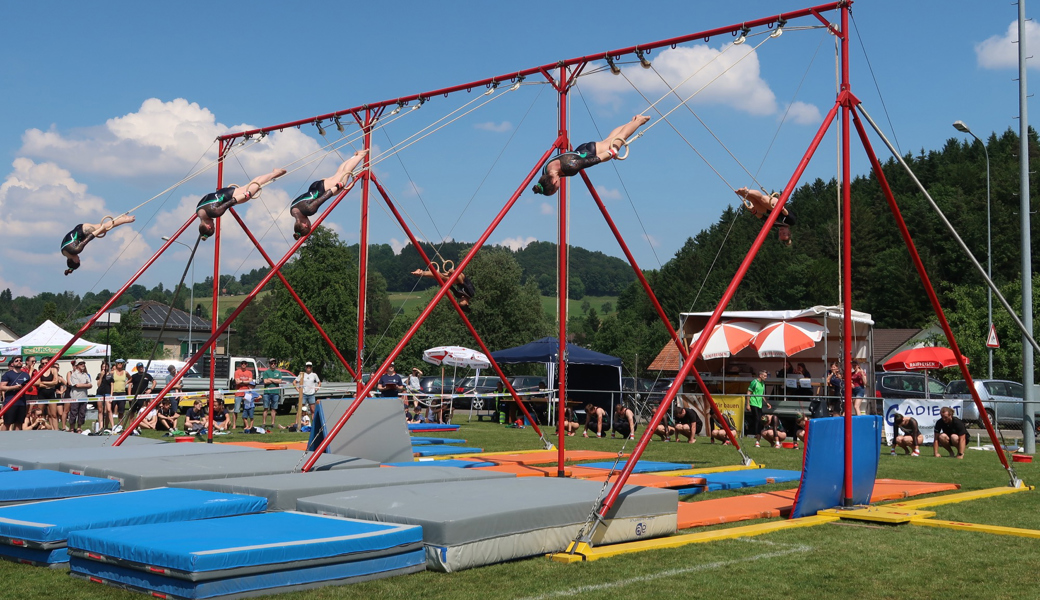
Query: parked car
905, 385
527, 383
1002, 400
471, 386
437, 385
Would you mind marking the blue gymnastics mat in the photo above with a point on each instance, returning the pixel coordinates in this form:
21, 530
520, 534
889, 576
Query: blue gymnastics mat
432, 427
643, 466
732, 480
244, 544
27, 486
57, 558
426, 441
823, 469
250, 585
443, 450
5, 469
46, 525
464, 463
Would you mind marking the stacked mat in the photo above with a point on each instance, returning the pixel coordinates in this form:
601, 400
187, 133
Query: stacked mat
245, 555
30, 486
76, 460
473, 523
36, 533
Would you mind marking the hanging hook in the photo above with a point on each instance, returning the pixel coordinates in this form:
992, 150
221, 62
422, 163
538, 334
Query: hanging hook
744, 31
779, 29
339, 125
321, 130
613, 68
642, 59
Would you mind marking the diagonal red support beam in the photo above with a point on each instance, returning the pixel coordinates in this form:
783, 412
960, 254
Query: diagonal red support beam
716, 315
367, 388
294, 295
660, 311
90, 322
227, 323
932, 296
458, 309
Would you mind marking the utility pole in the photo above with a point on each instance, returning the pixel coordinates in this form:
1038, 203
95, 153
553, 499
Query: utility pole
1029, 399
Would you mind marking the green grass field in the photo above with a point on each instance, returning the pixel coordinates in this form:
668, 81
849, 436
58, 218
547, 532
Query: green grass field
827, 561
225, 302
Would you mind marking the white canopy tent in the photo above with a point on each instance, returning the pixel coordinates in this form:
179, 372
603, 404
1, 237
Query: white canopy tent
47, 340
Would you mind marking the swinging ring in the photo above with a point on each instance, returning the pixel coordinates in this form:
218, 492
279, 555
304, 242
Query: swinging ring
101, 230
624, 144
434, 267
259, 189
445, 265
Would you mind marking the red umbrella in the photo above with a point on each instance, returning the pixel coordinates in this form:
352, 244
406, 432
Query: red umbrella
924, 358
728, 338
785, 338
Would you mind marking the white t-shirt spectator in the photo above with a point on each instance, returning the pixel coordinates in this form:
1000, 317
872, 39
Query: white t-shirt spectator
78, 378
309, 381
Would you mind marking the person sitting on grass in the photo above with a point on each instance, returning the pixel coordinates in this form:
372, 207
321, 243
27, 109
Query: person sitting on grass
195, 418
220, 416
37, 420
911, 438
773, 430
687, 424
150, 418
166, 418
597, 418
718, 432
570, 421
950, 433
624, 422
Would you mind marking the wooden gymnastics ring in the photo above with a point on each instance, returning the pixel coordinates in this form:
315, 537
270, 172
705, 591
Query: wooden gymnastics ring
259, 189
100, 233
624, 144
434, 267
445, 268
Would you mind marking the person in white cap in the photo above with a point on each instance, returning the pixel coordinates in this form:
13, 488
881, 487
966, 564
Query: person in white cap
79, 382
307, 385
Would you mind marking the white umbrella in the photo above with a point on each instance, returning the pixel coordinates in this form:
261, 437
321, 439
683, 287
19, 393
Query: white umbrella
456, 356
785, 338
728, 337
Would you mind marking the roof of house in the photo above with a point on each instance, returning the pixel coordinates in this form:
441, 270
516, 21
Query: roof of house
153, 313
887, 341
668, 359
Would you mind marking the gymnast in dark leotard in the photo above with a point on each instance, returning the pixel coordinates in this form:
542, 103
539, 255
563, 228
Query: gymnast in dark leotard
307, 204
214, 205
76, 240
760, 205
586, 155
463, 288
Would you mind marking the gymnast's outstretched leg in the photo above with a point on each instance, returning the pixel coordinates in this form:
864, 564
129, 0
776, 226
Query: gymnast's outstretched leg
307, 204
618, 136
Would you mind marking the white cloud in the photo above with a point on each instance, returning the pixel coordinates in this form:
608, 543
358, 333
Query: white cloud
42, 202
548, 209
801, 113
161, 138
397, 245
517, 243
652, 241
606, 193
1001, 51
502, 127
739, 82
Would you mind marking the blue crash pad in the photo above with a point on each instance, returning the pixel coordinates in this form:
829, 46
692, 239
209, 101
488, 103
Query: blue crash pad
26, 486
731, 480
426, 441
643, 466
823, 470
210, 549
443, 450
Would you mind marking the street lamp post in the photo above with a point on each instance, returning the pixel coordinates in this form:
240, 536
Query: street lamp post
960, 126
191, 302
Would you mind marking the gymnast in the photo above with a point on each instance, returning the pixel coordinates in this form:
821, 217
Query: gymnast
462, 289
74, 241
760, 205
214, 205
307, 204
586, 155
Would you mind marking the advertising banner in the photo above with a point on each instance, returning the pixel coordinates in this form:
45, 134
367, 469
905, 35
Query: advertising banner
925, 411
732, 406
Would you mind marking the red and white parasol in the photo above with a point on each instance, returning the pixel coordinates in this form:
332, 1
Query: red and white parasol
925, 358
786, 338
456, 356
728, 338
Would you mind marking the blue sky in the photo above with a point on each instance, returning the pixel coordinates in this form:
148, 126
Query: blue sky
108, 104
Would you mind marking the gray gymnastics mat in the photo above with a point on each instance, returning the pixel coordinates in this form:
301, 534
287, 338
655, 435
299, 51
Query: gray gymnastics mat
147, 473
24, 440
473, 523
377, 430
282, 491
73, 460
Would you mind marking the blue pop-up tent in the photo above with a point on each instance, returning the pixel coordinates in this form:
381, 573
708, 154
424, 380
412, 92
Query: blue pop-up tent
591, 376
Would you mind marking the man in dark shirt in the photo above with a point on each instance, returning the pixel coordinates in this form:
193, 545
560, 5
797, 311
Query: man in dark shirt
195, 418
11, 382
390, 383
686, 423
140, 383
166, 418
950, 433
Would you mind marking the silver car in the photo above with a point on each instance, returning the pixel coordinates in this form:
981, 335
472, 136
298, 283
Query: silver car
1001, 399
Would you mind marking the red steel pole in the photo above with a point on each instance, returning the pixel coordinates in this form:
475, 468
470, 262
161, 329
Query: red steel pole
698, 346
362, 300
458, 309
932, 296
294, 295
845, 98
660, 311
562, 282
90, 322
367, 388
227, 323
214, 318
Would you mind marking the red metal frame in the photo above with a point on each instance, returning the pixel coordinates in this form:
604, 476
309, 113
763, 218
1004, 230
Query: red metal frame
214, 317
845, 99
362, 301
563, 291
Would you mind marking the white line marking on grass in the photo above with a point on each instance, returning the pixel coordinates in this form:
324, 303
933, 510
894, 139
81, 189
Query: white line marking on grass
672, 572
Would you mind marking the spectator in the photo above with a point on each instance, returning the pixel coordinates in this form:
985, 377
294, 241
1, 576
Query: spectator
624, 421
171, 372
31, 394
243, 381
141, 384
570, 421
390, 383
248, 407
789, 374
858, 378
104, 390
950, 433
773, 430
47, 390
151, 418
911, 438
666, 428
120, 384
307, 385
413, 388
272, 380
754, 401
166, 419
804, 380
597, 418
801, 424
835, 390
11, 382
719, 433
195, 418
220, 416
687, 423
79, 382
37, 421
